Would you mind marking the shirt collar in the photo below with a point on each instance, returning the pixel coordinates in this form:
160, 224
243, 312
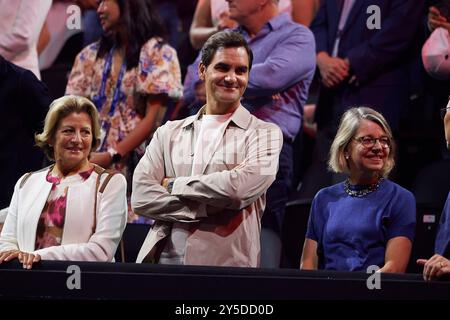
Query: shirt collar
240, 117
273, 24
279, 20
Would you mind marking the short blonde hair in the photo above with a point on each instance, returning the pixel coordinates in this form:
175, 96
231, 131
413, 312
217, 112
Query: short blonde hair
61, 108
348, 126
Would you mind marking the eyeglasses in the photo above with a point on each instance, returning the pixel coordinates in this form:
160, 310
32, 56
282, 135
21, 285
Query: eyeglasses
369, 142
444, 112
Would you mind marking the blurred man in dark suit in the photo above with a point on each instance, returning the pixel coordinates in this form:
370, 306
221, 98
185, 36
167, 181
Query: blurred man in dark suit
24, 103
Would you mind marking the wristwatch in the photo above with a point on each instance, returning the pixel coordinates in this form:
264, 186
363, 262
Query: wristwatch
170, 185
115, 156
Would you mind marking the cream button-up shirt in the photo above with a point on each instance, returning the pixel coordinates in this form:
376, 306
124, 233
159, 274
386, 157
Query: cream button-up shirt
221, 206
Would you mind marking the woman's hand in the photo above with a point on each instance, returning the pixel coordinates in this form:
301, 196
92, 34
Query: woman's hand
9, 255
26, 258
434, 267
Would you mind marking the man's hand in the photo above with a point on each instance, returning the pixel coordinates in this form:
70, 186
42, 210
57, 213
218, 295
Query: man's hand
436, 20
332, 69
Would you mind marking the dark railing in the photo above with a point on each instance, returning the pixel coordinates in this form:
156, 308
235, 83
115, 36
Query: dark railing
129, 281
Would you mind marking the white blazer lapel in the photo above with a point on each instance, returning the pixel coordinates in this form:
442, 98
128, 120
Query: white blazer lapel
34, 194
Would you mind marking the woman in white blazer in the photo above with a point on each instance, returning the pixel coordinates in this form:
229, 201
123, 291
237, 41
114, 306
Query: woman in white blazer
72, 210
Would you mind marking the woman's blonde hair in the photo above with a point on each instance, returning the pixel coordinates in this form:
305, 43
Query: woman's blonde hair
348, 126
61, 108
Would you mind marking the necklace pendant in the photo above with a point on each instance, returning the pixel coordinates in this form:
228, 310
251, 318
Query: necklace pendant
363, 192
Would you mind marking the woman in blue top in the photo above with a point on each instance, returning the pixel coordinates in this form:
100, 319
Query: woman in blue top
366, 220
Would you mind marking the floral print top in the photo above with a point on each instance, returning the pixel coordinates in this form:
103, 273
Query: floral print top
158, 72
51, 222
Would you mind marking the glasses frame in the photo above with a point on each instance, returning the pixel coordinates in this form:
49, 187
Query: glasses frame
374, 142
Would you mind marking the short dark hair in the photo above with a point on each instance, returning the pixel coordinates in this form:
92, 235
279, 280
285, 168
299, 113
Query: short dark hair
224, 39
